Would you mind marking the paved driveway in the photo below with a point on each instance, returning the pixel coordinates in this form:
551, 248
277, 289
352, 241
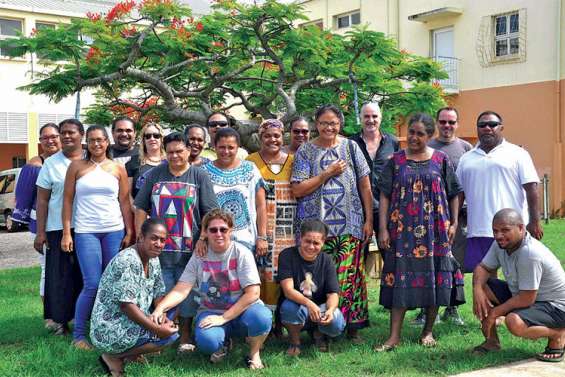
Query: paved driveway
16, 250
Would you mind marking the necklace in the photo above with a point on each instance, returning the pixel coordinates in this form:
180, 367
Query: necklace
98, 163
153, 160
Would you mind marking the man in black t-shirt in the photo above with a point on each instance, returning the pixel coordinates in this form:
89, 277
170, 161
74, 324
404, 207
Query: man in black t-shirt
309, 284
123, 133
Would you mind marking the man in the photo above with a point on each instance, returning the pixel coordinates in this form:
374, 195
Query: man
181, 194
309, 283
218, 120
129, 287
447, 121
495, 174
123, 133
299, 134
377, 147
533, 296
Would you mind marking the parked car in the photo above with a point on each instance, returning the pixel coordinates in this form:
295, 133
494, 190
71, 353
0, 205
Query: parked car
8, 181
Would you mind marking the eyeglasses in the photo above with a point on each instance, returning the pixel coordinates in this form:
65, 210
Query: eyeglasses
96, 141
328, 124
148, 136
444, 122
221, 229
220, 123
49, 138
300, 132
490, 123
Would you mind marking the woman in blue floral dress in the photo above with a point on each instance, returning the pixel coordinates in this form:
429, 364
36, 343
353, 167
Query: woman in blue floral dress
418, 209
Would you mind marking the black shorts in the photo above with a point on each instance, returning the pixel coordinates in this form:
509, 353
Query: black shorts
539, 314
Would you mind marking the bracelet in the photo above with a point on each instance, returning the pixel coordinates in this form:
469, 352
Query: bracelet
203, 239
262, 238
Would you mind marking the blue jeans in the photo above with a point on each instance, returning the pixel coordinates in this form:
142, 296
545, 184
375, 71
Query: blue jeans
94, 252
295, 314
172, 267
254, 321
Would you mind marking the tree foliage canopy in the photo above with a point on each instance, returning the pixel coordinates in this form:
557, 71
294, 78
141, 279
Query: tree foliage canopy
154, 59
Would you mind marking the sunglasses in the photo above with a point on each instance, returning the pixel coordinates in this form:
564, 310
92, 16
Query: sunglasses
491, 124
221, 229
444, 122
300, 132
148, 136
214, 124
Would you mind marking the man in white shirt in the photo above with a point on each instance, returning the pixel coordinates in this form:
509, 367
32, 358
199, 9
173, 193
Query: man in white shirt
494, 175
532, 297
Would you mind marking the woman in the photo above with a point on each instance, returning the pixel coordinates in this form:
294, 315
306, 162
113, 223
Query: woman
26, 193
240, 191
330, 179
275, 167
228, 283
299, 134
63, 280
196, 139
151, 154
418, 216
98, 190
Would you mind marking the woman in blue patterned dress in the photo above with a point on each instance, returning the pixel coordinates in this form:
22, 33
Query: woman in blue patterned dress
418, 217
239, 187
330, 179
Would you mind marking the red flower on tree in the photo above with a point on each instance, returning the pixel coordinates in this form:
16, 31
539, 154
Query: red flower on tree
120, 10
199, 26
93, 55
93, 16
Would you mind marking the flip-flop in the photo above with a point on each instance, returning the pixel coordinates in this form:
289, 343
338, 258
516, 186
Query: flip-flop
384, 348
294, 350
482, 350
428, 343
252, 365
551, 351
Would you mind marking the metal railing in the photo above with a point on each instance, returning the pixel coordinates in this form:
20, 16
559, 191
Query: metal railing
451, 67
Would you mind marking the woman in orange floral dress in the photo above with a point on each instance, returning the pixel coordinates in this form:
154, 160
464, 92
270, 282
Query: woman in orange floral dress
418, 208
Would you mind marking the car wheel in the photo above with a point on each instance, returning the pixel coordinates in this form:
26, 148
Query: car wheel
11, 225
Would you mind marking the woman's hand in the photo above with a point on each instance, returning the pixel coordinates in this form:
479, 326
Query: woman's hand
451, 233
201, 248
367, 233
40, 240
261, 247
336, 168
166, 329
67, 243
384, 239
157, 316
212, 321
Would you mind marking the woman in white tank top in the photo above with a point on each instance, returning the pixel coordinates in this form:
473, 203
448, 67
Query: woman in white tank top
96, 206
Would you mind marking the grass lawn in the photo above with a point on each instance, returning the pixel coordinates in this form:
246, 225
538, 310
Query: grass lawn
27, 350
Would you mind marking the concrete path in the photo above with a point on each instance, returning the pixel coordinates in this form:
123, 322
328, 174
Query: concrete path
16, 250
524, 368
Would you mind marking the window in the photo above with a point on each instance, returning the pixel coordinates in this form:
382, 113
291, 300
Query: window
348, 20
8, 183
9, 28
507, 34
18, 162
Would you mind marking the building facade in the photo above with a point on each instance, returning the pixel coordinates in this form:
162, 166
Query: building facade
501, 55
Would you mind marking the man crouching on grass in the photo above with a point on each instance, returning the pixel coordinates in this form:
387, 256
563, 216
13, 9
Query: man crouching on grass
130, 285
533, 296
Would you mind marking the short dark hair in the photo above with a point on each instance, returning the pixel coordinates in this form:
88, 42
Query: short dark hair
190, 127
99, 128
332, 108
174, 136
150, 223
489, 112
298, 118
315, 226
75, 122
48, 125
447, 108
120, 118
227, 132
426, 120
508, 216
228, 118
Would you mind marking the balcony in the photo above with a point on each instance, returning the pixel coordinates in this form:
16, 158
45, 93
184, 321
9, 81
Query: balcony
451, 67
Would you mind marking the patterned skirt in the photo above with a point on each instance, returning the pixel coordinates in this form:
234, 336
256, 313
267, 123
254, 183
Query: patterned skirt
348, 258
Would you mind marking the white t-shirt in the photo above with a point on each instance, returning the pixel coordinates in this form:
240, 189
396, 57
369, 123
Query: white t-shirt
493, 181
52, 177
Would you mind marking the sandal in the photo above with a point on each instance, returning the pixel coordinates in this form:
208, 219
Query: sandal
82, 344
293, 350
322, 343
481, 350
186, 348
428, 342
384, 348
252, 364
550, 352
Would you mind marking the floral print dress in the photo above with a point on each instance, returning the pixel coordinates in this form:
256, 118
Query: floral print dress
419, 269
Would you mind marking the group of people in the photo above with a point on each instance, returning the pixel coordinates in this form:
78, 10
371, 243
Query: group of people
144, 243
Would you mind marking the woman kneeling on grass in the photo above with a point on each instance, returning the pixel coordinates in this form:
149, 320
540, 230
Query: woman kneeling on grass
309, 283
228, 284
